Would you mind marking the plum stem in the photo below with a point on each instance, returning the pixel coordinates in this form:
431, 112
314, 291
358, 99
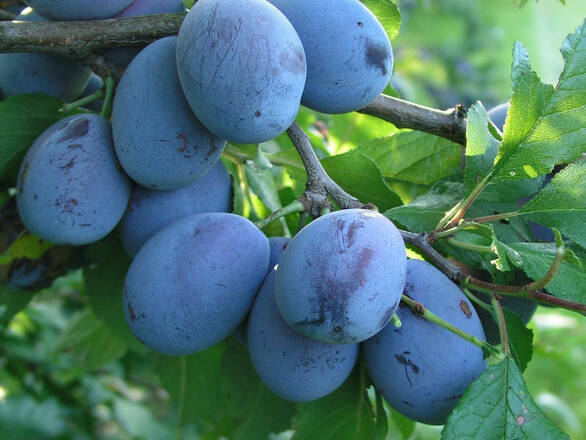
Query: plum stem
396, 320
97, 95
500, 319
108, 97
295, 206
420, 310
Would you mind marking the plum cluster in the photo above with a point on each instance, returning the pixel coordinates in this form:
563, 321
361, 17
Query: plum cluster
238, 72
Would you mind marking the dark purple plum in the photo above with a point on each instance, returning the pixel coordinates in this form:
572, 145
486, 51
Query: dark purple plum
421, 369
242, 68
122, 56
158, 139
341, 277
77, 9
70, 189
294, 367
149, 211
349, 56
193, 282
53, 75
278, 245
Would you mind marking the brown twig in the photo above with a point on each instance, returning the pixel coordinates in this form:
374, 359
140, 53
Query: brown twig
449, 124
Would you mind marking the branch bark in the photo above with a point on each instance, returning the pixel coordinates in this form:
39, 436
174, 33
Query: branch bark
86, 40
449, 124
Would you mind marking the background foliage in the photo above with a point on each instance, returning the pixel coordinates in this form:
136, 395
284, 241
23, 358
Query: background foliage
69, 367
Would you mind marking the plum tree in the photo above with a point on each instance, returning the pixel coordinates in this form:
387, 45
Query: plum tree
349, 56
193, 282
340, 278
150, 211
291, 365
158, 139
421, 369
122, 56
70, 189
242, 68
77, 9
41, 73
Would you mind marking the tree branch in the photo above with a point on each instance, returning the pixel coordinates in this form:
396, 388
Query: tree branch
78, 39
85, 40
449, 124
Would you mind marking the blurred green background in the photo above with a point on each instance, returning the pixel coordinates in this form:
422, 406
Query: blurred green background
64, 375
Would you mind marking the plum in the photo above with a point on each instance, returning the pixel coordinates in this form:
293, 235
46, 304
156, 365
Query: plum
122, 56
421, 369
194, 281
159, 141
349, 56
150, 211
53, 75
242, 68
294, 367
341, 277
70, 189
77, 9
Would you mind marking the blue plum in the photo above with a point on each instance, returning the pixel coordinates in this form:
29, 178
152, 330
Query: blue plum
293, 366
341, 277
53, 75
150, 211
77, 9
278, 245
122, 56
193, 282
70, 189
242, 68
421, 369
159, 141
349, 56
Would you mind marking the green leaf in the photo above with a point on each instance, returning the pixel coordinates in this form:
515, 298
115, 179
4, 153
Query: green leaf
230, 396
344, 414
360, 176
139, 421
382, 422
545, 126
520, 339
91, 344
254, 410
387, 13
424, 213
498, 406
414, 156
22, 119
481, 146
12, 301
24, 418
263, 184
26, 246
481, 150
535, 259
195, 381
404, 425
562, 203
104, 284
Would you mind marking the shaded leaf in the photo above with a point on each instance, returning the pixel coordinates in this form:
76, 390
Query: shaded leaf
498, 406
